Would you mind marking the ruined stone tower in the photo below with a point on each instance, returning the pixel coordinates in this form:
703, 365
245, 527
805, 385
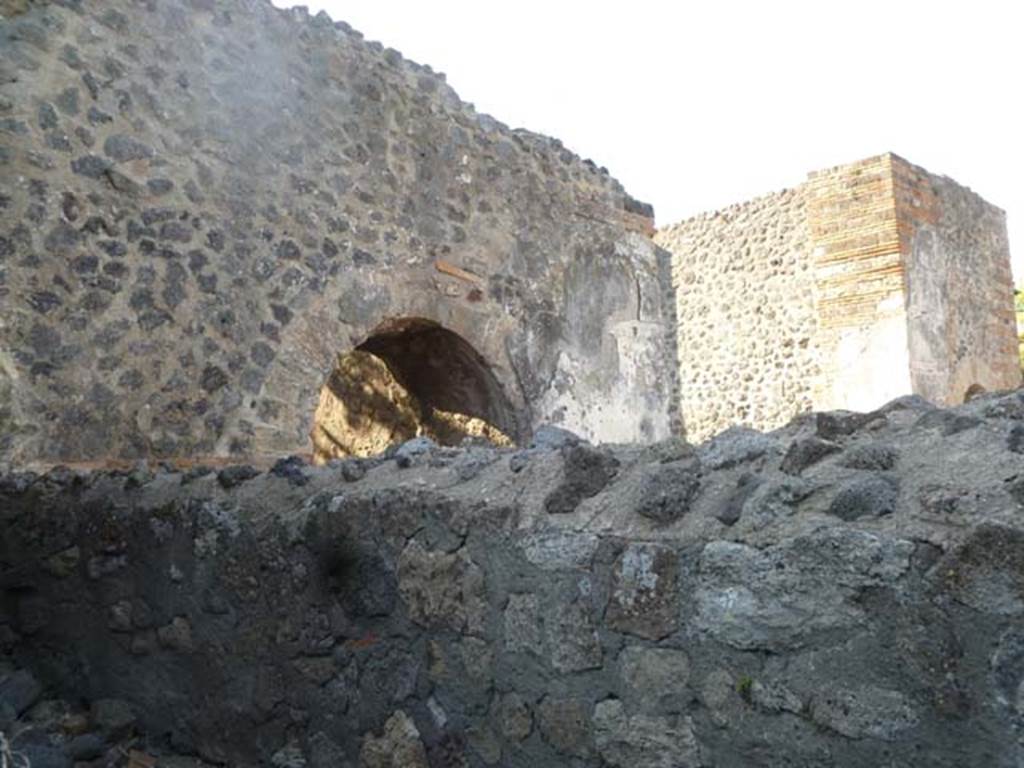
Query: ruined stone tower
869, 281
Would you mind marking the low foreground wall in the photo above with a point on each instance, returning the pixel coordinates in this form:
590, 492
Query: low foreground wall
846, 591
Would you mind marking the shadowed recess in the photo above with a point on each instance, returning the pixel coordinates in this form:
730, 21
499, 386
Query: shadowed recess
410, 378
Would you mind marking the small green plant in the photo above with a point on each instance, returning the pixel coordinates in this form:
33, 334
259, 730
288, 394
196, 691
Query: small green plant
744, 686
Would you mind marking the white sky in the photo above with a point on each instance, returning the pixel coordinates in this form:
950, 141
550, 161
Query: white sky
694, 106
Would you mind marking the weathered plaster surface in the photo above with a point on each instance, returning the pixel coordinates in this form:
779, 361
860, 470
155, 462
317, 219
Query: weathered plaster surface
869, 362
203, 203
959, 288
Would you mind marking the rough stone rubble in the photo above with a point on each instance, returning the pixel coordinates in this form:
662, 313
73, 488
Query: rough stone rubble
847, 590
203, 202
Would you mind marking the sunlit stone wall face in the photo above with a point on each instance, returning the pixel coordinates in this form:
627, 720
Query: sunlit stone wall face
962, 325
859, 284
202, 204
744, 290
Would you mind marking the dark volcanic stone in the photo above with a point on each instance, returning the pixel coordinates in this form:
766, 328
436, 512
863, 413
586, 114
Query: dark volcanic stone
98, 117
281, 313
287, 249
940, 500
565, 725
44, 756
59, 142
262, 354
90, 166
587, 471
363, 259
669, 490
643, 599
69, 55
122, 183
159, 186
19, 690
85, 263
213, 378
1016, 489
17, 483
292, 468
732, 508
369, 585
986, 571
1008, 666
10, 125
1009, 407
874, 495
229, 477
411, 451
353, 470
736, 445
43, 301
112, 717
907, 403
62, 239
67, 101
152, 216
519, 461
88, 746
195, 473
804, 453
47, 116
871, 456
548, 437
948, 422
85, 136
472, 461
1015, 440
835, 424
124, 148
153, 319
116, 20
176, 231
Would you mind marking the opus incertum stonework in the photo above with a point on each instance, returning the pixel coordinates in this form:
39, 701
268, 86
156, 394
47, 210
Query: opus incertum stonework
869, 281
341, 425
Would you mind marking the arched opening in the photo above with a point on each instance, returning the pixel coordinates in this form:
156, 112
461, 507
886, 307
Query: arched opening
411, 377
973, 391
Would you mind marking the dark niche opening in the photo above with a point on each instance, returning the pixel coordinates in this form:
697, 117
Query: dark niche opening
411, 377
973, 391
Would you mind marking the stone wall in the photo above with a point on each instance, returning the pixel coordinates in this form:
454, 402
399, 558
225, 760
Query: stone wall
1019, 305
828, 594
869, 281
962, 325
204, 202
859, 283
745, 314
